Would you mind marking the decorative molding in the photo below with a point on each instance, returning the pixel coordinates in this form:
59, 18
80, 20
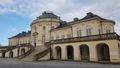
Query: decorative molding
35, 33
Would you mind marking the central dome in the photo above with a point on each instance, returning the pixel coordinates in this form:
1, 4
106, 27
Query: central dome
47, 14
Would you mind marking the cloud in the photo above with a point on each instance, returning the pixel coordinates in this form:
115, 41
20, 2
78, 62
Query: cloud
5, 5
3, 2
13, 30
66, 9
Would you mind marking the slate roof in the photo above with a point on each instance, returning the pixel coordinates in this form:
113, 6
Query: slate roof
23, 34
47, 14
63, 24
88, 16
91, 15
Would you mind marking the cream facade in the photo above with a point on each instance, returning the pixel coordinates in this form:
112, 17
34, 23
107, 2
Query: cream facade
90, 53
21, 38
91, 38
40, 30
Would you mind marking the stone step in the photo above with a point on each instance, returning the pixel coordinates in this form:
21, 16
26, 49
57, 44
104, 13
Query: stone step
46, 57
38, 49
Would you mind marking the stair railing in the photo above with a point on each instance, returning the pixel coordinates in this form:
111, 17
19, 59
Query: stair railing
27, 53
42, 54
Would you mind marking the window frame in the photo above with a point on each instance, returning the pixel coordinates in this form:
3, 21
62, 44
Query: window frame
79, 33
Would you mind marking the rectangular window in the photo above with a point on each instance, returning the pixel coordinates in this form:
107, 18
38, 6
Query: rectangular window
78, 33
88, 31
52, 38
108, 31
99, 31
34, 39
57, 37
43, 39
68, 35
62, 36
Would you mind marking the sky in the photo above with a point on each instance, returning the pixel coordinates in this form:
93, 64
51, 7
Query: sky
17, 15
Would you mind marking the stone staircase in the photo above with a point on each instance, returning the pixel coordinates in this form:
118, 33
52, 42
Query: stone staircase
38, 49
42, 55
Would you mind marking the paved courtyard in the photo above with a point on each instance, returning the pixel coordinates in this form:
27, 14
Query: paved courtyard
12, 63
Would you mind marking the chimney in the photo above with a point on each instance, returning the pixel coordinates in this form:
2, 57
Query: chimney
23, 32
90, 14
75, 19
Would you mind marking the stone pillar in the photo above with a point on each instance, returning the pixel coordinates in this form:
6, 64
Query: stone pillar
77, 53
53, 52
114, 52
93, 52
64, 53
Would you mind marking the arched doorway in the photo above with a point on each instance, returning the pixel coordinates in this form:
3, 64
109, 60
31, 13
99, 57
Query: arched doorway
11, 54
22, 51
58, 52
84, 52
119, 49
3, 55
70, 53
103, 53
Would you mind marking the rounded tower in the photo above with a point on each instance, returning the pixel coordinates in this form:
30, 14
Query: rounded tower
41, 26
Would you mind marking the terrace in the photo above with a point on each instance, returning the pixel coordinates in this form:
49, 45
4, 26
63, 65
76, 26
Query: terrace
107, 36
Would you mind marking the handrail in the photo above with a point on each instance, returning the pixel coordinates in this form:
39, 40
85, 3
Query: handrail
7, 48
41, 54
27, 53
10, 48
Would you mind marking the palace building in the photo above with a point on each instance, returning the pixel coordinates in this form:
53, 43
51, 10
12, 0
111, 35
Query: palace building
91, 38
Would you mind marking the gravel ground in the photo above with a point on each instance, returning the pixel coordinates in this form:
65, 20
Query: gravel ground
13, 63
